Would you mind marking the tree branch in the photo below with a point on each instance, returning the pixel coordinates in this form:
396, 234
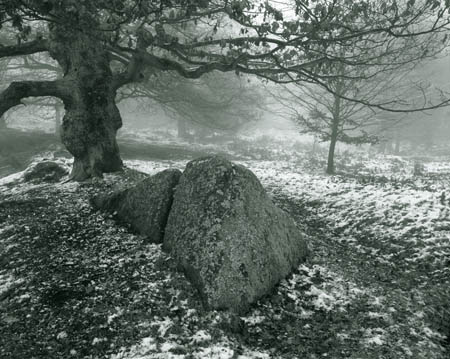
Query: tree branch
28, 48
17, 91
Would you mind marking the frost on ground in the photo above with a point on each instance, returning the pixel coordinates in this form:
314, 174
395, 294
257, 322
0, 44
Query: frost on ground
149, 348
6, 282
153, 167
409, 218
374, 287
8, 184
391, 235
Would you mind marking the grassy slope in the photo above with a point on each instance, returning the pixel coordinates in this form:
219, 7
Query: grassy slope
74, 284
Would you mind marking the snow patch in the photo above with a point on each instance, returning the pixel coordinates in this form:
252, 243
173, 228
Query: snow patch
201, 337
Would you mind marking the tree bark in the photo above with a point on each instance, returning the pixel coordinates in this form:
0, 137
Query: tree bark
331, 150
92, 119
89, 131
334, 135
19, 90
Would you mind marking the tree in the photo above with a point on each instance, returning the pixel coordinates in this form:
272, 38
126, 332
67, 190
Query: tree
102, 45
419, 132
216, 101
342, 114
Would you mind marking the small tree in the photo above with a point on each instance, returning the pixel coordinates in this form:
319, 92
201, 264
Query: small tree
341, 115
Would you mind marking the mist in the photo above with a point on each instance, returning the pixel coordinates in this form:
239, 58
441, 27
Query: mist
227, 179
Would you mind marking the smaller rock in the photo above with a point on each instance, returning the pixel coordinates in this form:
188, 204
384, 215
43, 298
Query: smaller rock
46, 171
146, 206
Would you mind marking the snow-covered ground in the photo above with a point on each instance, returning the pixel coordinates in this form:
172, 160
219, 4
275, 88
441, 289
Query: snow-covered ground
394, 220
373, 287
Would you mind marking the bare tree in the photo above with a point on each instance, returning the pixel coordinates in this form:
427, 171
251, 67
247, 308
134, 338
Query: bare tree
341, 114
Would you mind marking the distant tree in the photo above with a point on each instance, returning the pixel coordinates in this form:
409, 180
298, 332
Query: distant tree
419, 132
216, 101
343, 111
102, 45
334, 119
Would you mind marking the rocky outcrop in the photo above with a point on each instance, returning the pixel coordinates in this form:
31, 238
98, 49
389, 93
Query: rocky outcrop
227, 236
46, 171
145, 207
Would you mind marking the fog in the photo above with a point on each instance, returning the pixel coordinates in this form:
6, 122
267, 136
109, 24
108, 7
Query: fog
225, 179
223, 108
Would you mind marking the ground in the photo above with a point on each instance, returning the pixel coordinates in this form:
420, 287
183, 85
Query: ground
74, 283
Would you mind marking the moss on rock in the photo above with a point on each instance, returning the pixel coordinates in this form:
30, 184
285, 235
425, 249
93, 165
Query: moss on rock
228, 237
145, 206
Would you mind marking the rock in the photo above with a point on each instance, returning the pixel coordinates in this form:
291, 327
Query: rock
47, 171
228, 237
145, 207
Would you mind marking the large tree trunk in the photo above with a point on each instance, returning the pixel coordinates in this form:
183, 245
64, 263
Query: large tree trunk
89, 132
92, 119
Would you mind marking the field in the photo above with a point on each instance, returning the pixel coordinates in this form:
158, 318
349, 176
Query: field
75, 284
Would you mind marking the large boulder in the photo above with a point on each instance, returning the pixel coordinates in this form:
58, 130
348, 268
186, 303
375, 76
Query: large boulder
145, 207
46, 171
228, 237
